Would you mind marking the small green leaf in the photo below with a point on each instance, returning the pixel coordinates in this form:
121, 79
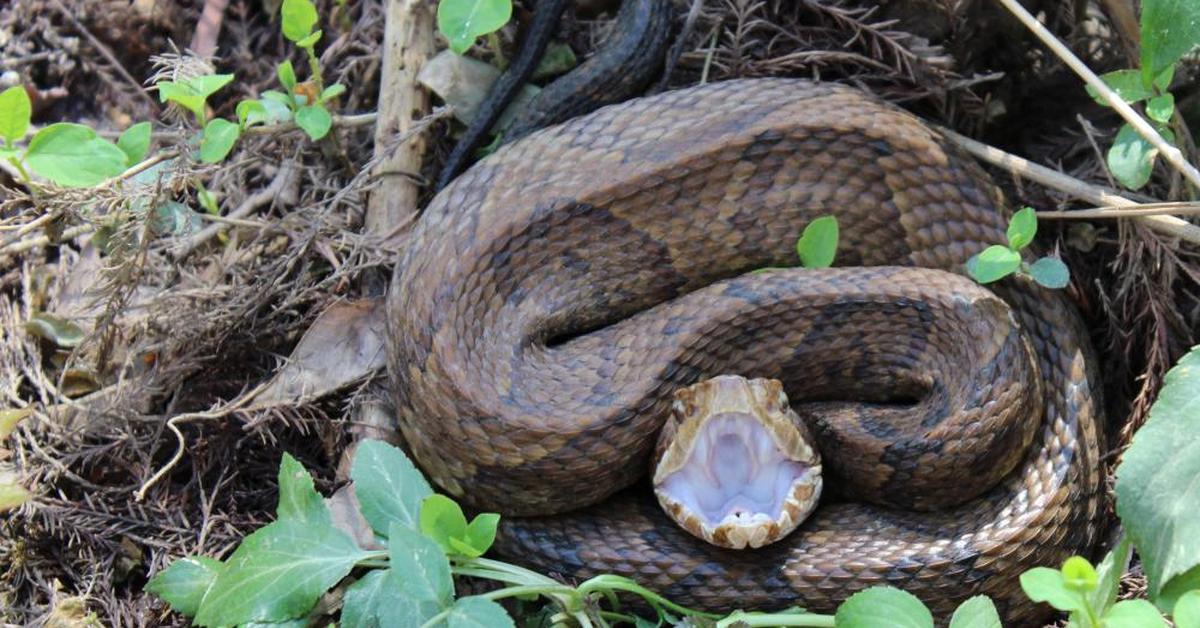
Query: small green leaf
817, 246
478, 612
481, 533
219, 137
976, 612
331, 92
558, 59
1021, 228
1170, 28
1126, 83
175, 218
1110, 571
287, 75
207, 199
72, 155
1042, 584
56, 329
883, 606
278, 105
15, 113
461, 21
298, 499
12, 495
135, 143
310, 41
251, 112
389, 488
422, 569
1161, 108
299, 17
994, 263
1079, 575
1133, 614
278, 573
442, 519
1131, 158
207, 84
9, 418
184, 582
315, 121
1187, 610
1050, 272
183, 95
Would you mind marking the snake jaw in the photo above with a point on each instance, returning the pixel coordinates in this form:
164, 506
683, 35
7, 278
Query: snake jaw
736, 466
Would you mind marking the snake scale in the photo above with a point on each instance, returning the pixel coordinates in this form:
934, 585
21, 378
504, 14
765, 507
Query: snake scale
555, 294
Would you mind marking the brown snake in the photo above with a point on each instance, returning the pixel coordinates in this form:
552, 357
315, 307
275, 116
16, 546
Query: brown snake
557, 293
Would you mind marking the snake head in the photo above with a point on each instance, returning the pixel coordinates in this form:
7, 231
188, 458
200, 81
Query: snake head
735, 466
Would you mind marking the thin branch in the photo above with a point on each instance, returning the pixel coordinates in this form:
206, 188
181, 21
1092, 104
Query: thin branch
1128, 211
1139, 124
1019, 166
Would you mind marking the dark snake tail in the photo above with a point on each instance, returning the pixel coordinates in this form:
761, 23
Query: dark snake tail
631, 57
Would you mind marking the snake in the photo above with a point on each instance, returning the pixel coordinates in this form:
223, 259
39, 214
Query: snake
555, 296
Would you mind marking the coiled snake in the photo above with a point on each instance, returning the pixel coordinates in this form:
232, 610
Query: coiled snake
557, 293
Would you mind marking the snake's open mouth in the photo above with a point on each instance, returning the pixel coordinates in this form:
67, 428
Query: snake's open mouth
734, 478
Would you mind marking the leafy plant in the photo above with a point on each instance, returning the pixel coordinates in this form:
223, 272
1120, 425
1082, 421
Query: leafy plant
999, 260
462, 21
818, 243
70, 155
1170, 28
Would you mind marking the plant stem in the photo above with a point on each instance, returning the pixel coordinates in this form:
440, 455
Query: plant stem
20, 168
314, 68
777, 619
1139, 124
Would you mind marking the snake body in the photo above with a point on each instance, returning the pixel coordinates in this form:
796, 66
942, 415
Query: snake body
556, 294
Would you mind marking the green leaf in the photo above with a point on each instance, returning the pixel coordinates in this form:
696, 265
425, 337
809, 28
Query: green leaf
1161, 108
1187, 610
1156, 482
184, 582
1131, 158
278, 573
1109, 574
883, 606
1050, 272
56, 329
207, 84
15, 113
442, 519
477, 612
376, 600
299, 17
310, 41
1170, 28
1079, 575
423, 571
995, 262
1176, 587
461, 21
298, 499
183, 95
175, 218
278, 105
12, 495
817, 246
207, 199
135, 143
558, 59
1021, 228
331, 92
9, 418
287, 75
977, 612
72, 155
251, 112
1126, 83
481, 533
1042, 584
315, 121
219, 137
1132, 614
389, 488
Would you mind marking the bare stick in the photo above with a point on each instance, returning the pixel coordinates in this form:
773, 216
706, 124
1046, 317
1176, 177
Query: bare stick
1019, 166
1133, 211
1139, 124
